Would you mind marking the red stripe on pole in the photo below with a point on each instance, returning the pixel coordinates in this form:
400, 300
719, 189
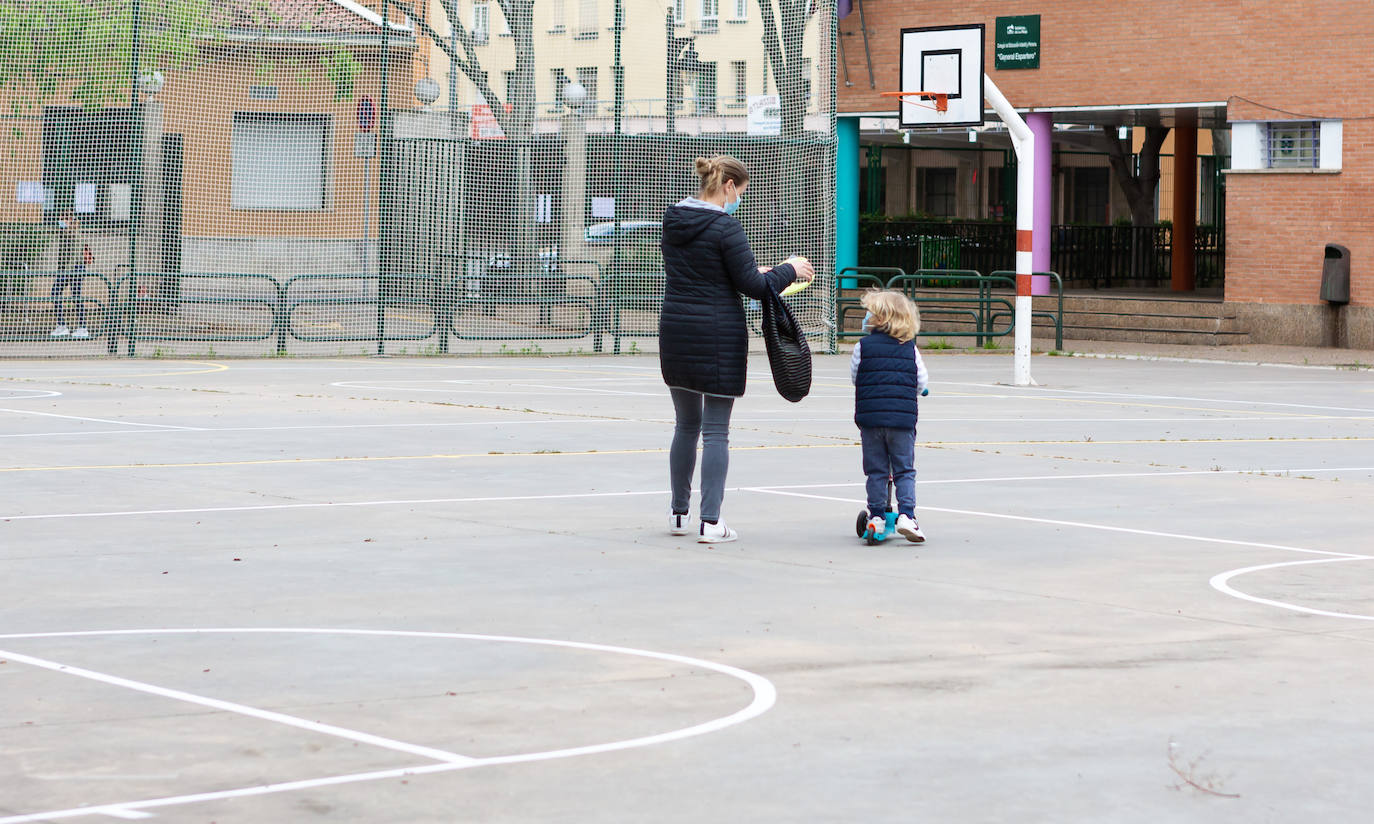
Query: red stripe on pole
1023, 285
1023, 240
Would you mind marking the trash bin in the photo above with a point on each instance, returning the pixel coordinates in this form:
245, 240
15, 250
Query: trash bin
1336, 274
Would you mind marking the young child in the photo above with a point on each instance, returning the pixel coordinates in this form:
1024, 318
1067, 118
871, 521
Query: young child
889, 376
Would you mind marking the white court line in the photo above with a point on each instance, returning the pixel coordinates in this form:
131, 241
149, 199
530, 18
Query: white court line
577, 495
1221, 583
594, 391
241, 709
764, 697
1218, 361
769, 420
98, 420
1047, 391
37, 393
1077, 524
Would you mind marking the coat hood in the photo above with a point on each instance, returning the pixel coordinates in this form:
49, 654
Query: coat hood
682, 224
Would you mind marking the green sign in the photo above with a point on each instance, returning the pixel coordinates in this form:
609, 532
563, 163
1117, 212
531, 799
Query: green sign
1017, 42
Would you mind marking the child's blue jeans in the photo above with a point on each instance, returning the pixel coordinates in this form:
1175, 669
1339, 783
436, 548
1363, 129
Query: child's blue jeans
890, 451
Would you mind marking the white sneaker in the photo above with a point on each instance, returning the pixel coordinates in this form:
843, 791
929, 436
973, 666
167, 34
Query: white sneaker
80, 332
910, 529
677, 524
717, 533
59, 331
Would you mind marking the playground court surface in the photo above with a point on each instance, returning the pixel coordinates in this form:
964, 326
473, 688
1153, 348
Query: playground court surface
440, 590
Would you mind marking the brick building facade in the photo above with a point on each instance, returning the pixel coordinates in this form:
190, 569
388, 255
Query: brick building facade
1285, 85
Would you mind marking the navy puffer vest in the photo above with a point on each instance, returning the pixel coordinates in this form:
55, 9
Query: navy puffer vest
885, 389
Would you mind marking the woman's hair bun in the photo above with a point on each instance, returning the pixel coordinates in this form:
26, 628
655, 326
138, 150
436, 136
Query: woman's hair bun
705, 165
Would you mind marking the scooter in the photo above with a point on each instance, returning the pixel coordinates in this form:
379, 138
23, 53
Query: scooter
889, 519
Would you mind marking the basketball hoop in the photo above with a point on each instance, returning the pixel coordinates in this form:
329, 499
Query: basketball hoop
940, 100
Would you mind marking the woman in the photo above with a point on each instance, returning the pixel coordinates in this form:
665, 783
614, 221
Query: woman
704, 344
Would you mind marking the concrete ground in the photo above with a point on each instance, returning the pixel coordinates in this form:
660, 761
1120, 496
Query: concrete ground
439, 590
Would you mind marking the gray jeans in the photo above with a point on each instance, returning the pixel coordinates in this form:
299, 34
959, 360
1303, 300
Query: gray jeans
706, 417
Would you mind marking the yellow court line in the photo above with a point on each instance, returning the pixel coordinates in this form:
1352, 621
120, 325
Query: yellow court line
655, 451
215, 367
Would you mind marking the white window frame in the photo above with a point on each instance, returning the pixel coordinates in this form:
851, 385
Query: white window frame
1251, 143
559, 23
263, 171
739, 81
741, 11
481, 22
679, 12
588, 19
710, 14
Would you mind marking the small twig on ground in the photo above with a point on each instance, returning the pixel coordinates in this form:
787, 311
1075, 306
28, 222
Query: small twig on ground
1188, 774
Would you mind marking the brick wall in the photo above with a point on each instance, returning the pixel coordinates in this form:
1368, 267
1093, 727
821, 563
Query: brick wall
1310, 57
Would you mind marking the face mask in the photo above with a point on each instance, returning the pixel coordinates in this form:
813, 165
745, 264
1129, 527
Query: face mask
732, 206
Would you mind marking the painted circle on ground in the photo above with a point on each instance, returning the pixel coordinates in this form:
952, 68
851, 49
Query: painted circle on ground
764, 697
32, 394
1221, 582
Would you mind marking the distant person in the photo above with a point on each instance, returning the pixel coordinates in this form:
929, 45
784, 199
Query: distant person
889, 378
71, 271
703, 340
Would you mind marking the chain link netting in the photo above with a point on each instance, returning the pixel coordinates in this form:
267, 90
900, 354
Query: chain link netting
254, 177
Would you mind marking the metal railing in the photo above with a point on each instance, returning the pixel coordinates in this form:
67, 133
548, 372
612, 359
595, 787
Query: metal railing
1098, 257
963, 293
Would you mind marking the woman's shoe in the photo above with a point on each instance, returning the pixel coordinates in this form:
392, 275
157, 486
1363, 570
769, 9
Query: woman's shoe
717, 533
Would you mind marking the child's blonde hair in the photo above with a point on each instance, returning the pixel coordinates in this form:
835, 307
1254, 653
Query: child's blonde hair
893, 313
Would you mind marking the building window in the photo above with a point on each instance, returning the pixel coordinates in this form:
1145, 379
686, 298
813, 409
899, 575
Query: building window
806, 78
739, 70
939, 188
558, 20
741, 10
586, 76
481, 22
680, 12
1091, 195
560, 82
1294, 144
279, 161
710, 15
588, 19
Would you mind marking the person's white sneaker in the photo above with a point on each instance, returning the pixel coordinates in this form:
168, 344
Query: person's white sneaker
60, 331
677, 524
910, 529
717, 533
80, 332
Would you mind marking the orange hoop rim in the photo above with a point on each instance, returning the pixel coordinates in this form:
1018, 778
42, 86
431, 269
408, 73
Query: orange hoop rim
941, 99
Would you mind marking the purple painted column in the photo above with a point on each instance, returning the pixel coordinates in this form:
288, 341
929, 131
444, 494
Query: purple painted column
1042, 126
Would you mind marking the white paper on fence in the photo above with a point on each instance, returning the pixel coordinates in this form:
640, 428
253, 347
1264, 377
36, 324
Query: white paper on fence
765, 114
603, 207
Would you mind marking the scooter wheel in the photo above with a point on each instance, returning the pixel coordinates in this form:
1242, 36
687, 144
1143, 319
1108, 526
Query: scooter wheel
861, 525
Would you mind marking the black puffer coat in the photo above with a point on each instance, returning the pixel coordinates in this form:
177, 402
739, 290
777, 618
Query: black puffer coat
703, 342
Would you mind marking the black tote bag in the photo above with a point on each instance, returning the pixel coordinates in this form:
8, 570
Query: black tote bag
789, 355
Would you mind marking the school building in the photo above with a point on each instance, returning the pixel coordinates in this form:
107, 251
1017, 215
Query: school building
1258, 117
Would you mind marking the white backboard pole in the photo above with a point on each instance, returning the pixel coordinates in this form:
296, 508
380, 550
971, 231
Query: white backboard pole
1024, 142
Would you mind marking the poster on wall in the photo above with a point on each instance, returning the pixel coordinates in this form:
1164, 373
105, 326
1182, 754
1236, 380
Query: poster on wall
765, 114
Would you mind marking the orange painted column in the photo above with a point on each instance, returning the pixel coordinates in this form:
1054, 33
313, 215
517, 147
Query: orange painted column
1184, 270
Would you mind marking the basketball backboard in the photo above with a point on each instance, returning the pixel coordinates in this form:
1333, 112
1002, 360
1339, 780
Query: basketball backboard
944, 60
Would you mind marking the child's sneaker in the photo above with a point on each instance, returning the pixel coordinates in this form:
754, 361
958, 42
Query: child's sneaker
60, 331
80, 333
909, 528
677, 524
876, 525
717, 533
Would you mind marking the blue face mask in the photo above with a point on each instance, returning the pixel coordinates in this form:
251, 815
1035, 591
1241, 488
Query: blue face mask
732, 206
